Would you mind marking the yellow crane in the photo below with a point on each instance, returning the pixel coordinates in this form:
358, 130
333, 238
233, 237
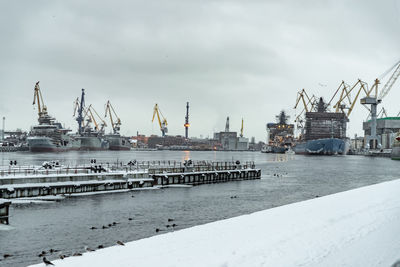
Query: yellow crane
116, 126
344, 88
241, 129
309, 104
91, 118
38, 99
362, 87
162, 121
389, 84
302, 95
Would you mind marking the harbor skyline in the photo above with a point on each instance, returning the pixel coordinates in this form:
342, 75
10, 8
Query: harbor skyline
242, 60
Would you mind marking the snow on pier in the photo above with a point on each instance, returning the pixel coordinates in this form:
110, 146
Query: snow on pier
354, 228
17, 182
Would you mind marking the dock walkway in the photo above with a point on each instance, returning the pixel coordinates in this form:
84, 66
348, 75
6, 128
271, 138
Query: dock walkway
35, 181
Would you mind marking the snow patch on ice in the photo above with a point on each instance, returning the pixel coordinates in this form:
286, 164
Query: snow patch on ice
4, 227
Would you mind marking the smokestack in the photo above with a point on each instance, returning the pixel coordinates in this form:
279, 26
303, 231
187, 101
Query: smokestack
227, 124
186, 125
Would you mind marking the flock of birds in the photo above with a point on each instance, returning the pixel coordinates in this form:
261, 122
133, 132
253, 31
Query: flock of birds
88, 249
51, 252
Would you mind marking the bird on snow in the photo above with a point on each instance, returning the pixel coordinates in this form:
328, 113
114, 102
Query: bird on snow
47, 262
120, 243
89, 249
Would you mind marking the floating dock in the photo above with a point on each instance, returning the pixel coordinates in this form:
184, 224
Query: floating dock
33, 181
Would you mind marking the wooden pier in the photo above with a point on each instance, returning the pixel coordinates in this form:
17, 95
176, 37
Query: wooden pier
205, 177
34, 182
4, 208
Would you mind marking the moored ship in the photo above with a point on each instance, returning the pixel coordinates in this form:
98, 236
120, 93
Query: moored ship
49, 135
280, 135
90, 138
117, 142
325, 133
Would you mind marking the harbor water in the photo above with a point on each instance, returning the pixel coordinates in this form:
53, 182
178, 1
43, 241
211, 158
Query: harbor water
65, 225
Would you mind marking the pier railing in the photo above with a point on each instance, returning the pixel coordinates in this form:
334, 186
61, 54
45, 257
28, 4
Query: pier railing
150, 167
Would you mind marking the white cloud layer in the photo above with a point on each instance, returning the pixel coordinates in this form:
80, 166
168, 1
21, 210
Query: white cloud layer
227, 58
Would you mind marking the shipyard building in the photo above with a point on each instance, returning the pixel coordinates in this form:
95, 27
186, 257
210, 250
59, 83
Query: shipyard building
386, 130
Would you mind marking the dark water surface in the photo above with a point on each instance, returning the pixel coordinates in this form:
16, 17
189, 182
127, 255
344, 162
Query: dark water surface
65, 225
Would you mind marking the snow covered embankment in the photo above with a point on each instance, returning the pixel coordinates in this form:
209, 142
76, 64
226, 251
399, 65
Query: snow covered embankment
354, 228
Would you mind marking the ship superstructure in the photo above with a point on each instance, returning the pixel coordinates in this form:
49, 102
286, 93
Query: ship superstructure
280, 134
48, 135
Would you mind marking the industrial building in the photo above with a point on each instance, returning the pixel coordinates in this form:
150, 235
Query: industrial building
386, 130
230, 140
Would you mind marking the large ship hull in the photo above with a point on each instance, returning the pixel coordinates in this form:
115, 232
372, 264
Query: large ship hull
325, 146
44, 144
93, 143
117, 142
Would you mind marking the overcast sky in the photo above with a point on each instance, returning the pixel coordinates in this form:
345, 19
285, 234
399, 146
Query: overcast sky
227, 58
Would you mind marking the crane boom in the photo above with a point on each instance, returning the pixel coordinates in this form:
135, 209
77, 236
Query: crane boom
162, 121
38, 99
363, 87
90, 112
308, 104
115, 125
389, 84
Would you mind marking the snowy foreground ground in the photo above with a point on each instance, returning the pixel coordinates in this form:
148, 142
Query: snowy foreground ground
360, 227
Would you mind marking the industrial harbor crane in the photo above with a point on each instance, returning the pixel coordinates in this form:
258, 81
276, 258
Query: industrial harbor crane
344, 88
345, 94
91, 118
162, 121
309, 104
374, 100
116, 126
79, 105
373, 97
38, 99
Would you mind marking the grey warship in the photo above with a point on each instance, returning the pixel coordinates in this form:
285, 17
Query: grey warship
90, 138
49, 135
